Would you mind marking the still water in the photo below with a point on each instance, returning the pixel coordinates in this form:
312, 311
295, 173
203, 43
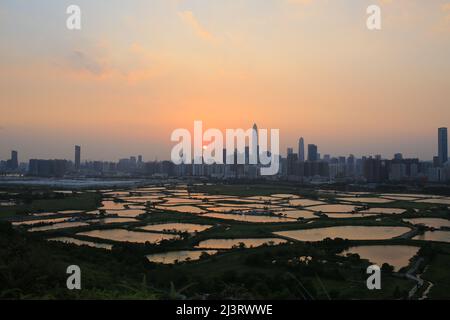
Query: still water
230, 243
443, 236
366, 200
248, 218
384, 211
58, 226
33, 222
82, 242
305, 202
177, 227
297, 214
185, 209
123, 235
173, 256
396, 256
345, 232
430, 222
111, 205
334, 208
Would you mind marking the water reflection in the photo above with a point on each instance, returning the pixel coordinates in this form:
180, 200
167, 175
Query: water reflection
334, 208
345, 232
177, 227
430, 222
443, 236
174, 256
383, 211
396, 256
230, 243
297, 214
123, 235
58, 226
248, 217
82, 242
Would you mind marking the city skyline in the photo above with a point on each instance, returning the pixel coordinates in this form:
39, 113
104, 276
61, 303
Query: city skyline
313, 153
129, 77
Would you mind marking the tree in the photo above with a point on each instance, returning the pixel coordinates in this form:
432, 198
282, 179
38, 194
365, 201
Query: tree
387, 268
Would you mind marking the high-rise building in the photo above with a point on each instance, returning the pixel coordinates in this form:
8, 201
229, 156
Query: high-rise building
442, 146
255, 128
312, 152
47, 168
256, 136
290, 151
77, 157
350, 169
301, 150
14, 160
292, 164
372, 169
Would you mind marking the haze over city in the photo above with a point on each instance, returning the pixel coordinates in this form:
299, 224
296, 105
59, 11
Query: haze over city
137, 71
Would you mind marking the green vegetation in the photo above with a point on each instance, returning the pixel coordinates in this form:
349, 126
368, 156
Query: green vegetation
51, 202
438, 272
242, 190
35, 268
32, 268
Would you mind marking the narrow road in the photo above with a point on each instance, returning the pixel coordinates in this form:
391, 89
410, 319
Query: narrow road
411, 274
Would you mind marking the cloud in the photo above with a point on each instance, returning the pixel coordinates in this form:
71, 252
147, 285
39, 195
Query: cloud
189, 18
79, 60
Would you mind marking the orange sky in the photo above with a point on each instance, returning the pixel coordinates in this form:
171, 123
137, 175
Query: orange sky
140, 69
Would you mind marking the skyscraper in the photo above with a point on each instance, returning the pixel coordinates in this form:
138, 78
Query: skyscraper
14, 160
256, 136
442, 145
301, 150
290, 151
312, 152
77, 157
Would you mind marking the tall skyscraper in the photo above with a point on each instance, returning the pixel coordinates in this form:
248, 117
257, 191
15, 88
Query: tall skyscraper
290, 151
77, 157
312, 152
255, 128
14, 160
442, 145
301, 150
256, 136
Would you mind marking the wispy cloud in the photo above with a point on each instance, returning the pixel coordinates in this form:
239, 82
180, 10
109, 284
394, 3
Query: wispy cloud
188, 18
81, 61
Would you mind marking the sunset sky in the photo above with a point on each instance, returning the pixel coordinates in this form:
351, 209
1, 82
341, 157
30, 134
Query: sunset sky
140, 69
